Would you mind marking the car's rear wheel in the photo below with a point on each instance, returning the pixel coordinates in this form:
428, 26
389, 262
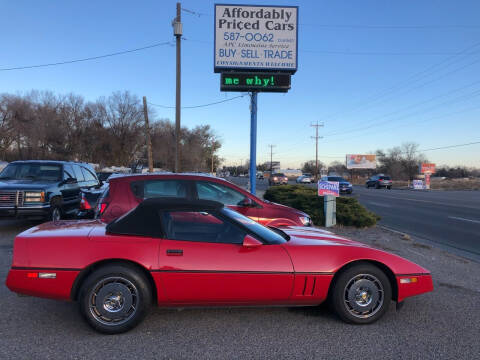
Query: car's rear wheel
115, 298
56, 212
361, 294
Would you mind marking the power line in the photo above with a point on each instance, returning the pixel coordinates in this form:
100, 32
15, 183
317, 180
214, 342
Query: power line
199, 106
450, 146
88, 58
393, 27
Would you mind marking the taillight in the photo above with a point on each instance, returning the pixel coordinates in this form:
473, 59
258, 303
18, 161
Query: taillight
84, 204
103, 206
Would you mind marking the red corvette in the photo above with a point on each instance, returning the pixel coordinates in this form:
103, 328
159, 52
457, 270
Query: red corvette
176, 252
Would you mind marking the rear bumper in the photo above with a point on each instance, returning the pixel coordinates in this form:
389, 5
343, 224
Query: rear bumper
423, 284
21, 281
25, 211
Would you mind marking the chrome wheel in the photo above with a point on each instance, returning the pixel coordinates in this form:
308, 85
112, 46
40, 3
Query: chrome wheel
363, 296
113, 301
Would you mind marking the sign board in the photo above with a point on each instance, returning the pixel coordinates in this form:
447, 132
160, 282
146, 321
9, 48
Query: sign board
427, 168
361, 161
256, 37
418, 184
259, 82
328, 188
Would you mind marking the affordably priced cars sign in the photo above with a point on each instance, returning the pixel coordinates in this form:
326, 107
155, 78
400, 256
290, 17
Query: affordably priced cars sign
328, 188
254, 37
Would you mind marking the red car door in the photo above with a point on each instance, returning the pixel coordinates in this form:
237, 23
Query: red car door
204, 262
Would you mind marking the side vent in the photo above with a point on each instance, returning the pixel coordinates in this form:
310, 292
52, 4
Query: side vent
309, 285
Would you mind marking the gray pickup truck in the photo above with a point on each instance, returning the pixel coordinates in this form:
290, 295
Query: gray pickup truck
49, 189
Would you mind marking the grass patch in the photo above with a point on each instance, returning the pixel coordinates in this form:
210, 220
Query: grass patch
349, 211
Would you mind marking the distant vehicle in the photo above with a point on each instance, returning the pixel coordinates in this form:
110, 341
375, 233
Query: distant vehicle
277, 179
178, 252
260, 175
379, 181
104, 175
127, 191
305, 179
50, 189
344, 185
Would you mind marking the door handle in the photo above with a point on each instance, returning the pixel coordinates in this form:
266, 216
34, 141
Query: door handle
174, 252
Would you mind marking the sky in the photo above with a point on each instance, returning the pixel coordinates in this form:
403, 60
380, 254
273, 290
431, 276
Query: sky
377, 74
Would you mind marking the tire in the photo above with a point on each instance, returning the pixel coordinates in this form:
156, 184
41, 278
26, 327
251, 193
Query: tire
115, 298
389, 187
367, 186
361, 294
56, 212
377, 186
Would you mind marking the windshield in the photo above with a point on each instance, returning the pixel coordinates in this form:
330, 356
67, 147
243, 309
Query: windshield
384, 177
307, 175
265, 233
336, 178
278, 174
32, 171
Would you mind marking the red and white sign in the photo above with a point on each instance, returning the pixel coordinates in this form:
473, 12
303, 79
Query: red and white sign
328, 188
427, 169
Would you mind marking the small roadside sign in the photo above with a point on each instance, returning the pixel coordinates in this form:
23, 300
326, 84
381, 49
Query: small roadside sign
328, 188
418, 185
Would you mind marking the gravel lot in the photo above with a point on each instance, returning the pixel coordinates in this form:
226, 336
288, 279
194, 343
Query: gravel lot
444, 324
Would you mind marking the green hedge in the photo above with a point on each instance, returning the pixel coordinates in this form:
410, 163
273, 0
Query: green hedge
349, 210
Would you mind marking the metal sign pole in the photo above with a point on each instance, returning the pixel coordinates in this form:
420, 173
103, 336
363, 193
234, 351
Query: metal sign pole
253, 142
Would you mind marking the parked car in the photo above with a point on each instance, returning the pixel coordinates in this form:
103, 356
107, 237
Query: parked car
379, 181
126, 192
179, 252
260, 175
344, 185
305, 179
50, 189
277, 179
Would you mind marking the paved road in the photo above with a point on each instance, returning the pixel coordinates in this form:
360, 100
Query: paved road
441, 325
449, 218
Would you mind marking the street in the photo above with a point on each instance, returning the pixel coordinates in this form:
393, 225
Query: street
448, 218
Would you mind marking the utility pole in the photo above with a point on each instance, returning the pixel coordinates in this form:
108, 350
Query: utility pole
316, 137
147, 135
213, 152
177, 31
271, 158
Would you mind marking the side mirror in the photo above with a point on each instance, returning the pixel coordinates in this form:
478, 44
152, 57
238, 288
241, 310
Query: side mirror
251, 242
247, 202
71, 181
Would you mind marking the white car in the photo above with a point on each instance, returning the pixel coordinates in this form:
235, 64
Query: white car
305, 179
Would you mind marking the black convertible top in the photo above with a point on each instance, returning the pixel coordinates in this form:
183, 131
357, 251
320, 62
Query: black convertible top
144, 220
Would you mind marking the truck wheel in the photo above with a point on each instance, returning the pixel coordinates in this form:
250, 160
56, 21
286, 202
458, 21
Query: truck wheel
55, 211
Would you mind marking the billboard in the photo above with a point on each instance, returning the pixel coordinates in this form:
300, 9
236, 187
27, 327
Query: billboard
328, 188
255, 37
427, 168
361, 161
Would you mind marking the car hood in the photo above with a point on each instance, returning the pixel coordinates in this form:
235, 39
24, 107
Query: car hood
25, 184
320, 251
301, 235
284, 207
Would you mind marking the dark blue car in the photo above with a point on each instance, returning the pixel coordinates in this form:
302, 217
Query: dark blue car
345, 186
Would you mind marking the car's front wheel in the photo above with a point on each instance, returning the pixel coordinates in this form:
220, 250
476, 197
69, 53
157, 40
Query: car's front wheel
115, 298
361, 294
